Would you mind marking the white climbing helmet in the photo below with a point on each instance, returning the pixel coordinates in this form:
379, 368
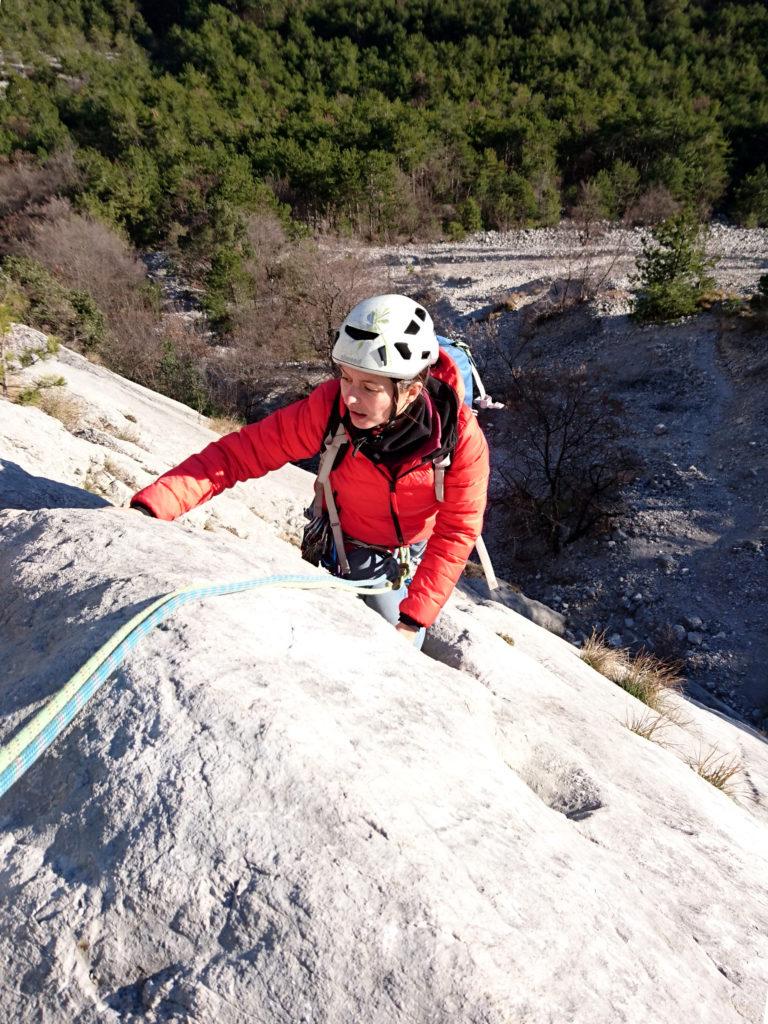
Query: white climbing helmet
390, 335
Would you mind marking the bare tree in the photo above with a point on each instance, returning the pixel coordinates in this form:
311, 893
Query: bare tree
562, 476
331, 282
280, 340
88, 255
26, 186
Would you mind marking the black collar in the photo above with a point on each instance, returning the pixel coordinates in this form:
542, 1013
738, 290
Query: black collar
409, 434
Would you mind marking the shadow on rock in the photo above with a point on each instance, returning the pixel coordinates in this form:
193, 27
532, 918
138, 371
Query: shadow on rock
20, 490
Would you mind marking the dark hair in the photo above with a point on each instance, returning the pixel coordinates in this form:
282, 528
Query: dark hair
421, 377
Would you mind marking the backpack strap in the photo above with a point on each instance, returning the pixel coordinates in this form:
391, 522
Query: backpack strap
485, 561
332, 446
440, 466
482, 399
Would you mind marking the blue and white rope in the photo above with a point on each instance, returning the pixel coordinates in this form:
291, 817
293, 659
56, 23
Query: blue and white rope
21, 752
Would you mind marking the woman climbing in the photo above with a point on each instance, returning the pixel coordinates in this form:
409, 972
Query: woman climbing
407, 471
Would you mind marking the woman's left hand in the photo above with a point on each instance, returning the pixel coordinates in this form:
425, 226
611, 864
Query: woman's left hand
407, 632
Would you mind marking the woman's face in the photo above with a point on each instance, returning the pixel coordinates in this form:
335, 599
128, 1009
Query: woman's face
369, 398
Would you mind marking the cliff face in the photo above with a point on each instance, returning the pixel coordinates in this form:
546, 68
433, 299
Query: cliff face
278, 811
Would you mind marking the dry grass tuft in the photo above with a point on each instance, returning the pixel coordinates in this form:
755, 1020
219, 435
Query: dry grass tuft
127, 434
641, 675
51, 380
647, 725
225, 424
290, 538
599, 656
651, 681
93, 482
117, 472
68, 409
507, 639
722, 771
122, 433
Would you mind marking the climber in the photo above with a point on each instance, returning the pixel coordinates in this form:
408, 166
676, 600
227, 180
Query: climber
405, 463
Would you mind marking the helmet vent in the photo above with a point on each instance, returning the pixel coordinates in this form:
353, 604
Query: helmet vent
404, 349
412, 328
421, 313
426, 354
382, 353
358, 334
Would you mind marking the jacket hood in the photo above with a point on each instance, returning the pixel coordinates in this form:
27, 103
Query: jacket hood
447, 371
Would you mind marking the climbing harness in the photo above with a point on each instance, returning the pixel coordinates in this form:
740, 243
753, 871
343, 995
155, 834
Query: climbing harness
406, 569
21, 752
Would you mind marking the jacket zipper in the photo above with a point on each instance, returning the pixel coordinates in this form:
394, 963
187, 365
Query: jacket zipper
393, 509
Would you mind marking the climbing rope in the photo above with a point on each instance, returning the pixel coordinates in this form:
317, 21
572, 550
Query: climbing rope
34, 739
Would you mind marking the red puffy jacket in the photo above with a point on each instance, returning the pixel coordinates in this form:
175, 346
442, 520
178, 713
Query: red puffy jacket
366, 494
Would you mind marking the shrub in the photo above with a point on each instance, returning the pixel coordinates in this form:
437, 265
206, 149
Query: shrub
514, 208
51, 380
665, 303
590, 208
180, 375
6, 319
90, 320
751, 199
29, 119
25, 185
617, 188
227, 286
28, 395
653, 206
79, 275
300, 293
86, 255
456, 231
470, 215
760, 299
135, 347
48, 304
672, 271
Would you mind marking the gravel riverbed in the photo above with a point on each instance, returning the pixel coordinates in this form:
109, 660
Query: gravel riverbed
686, 571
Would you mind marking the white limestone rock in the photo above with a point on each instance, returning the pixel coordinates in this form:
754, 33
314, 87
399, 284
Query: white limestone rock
278, 811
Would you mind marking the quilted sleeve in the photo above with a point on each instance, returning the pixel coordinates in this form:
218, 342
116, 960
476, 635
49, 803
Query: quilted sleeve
295, 432
458, 524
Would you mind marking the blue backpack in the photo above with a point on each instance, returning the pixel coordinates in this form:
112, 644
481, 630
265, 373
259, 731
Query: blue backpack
461, 354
